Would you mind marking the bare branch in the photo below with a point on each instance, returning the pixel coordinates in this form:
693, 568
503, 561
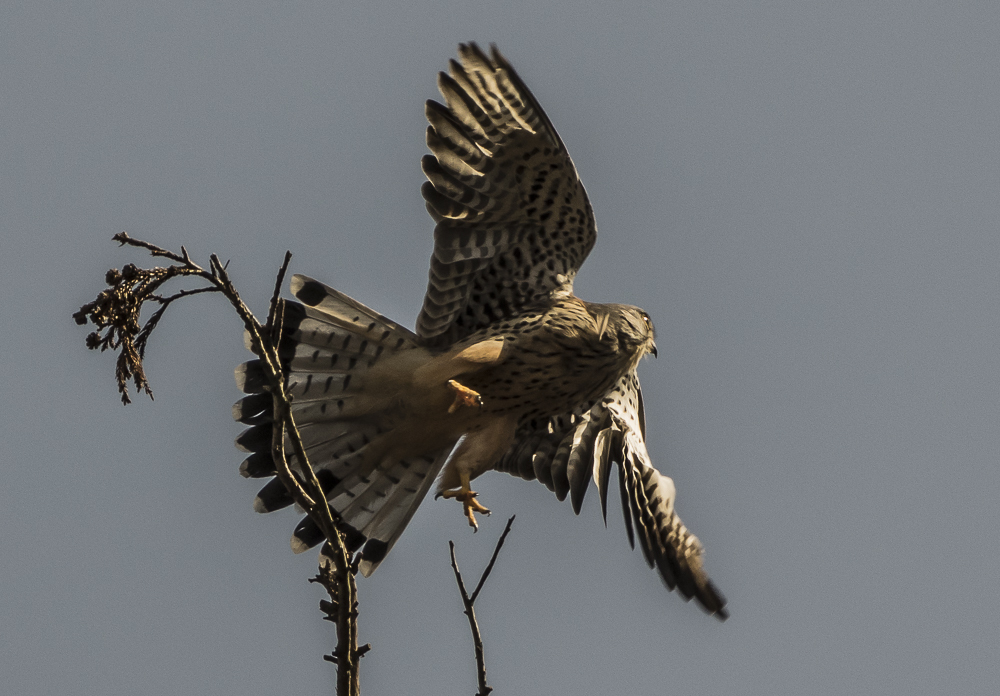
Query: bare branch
336, 571
116, 313
469, 602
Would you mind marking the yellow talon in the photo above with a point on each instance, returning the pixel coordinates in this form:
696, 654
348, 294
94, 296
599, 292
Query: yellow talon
464, 397
469, 503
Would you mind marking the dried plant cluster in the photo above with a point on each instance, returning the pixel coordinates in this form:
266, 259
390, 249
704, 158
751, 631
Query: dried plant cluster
116, 311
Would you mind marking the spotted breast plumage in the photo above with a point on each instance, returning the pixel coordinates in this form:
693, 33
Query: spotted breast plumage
507, 369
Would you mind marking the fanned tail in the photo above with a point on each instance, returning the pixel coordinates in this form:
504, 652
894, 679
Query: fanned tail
336, 356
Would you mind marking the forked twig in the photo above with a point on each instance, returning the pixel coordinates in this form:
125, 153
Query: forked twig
470, 611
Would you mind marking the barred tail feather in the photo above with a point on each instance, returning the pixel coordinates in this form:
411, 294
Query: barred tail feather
333, 353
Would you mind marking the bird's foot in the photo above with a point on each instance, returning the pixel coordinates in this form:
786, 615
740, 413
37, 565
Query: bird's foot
464, 397
469, 504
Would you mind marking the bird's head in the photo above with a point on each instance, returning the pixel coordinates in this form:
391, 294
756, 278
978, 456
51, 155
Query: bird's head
635, 331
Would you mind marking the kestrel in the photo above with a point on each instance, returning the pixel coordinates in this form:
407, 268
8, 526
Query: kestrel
508, 370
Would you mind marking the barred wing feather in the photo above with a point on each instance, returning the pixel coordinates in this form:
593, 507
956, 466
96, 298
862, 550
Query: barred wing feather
562, 452
513, 220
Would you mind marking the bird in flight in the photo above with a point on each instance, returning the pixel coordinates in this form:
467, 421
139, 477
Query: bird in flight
507, 370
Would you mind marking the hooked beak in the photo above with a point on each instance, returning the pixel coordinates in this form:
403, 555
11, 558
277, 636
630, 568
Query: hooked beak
652, 349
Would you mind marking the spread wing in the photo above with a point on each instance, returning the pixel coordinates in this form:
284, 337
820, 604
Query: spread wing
564, 451
513, 220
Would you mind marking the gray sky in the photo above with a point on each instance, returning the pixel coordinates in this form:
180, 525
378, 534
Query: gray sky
804, 196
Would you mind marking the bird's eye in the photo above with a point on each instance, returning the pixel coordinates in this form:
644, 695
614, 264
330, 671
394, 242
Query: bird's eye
645, 318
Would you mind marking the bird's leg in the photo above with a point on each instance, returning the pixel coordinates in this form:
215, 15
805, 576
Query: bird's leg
464, 397
468, 498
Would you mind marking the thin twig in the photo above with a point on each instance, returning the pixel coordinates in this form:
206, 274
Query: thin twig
489, 567
154, 318
470, 611
123, 239
278, 282
284, 471
164, 301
